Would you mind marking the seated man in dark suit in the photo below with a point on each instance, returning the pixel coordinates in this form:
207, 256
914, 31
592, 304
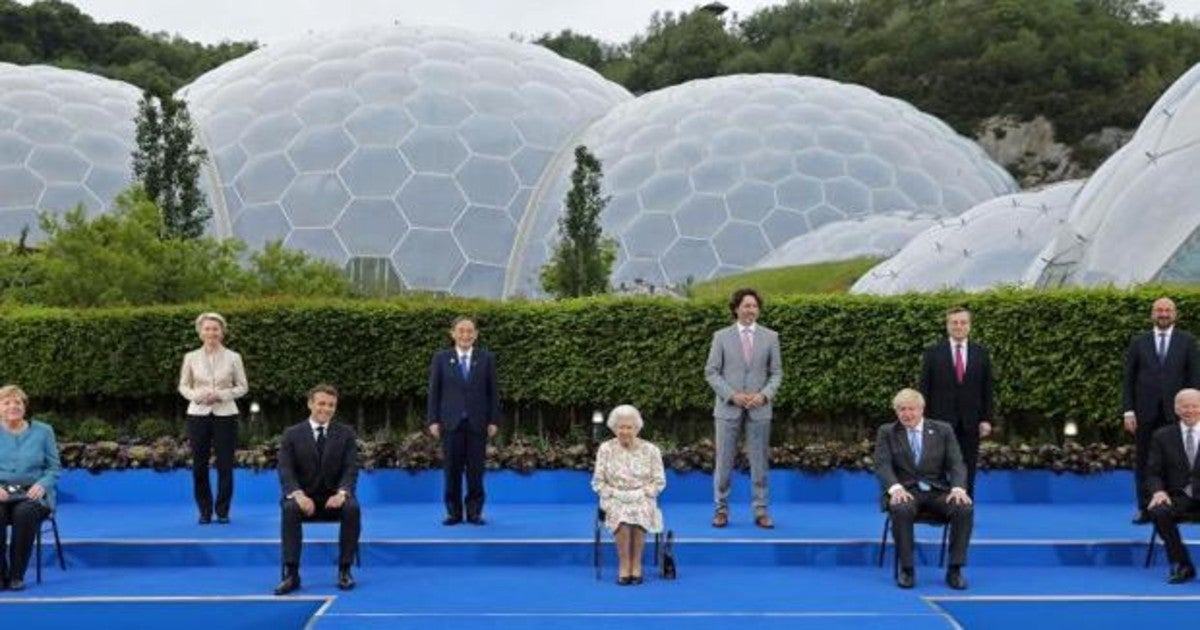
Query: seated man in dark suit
318, 470
921, 469
1173, 482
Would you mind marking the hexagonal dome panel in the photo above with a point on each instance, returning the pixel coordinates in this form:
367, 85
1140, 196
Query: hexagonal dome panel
423, 119
66, 138
784, 154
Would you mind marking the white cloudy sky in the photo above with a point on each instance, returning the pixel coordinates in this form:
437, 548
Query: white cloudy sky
269, 21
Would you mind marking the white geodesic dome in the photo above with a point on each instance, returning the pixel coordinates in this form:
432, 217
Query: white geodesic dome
710, 176
874, 236
987, 246
1137, 219
66, 138
419, 148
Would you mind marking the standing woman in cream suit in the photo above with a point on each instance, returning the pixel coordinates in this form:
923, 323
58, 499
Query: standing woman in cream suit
212, 378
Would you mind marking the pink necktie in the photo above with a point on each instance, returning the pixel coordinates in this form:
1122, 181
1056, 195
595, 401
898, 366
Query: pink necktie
747, 344
960, 368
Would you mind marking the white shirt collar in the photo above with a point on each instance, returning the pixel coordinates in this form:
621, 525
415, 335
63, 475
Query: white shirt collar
314, 425
920, 428
1158, 331
1183, 429
742, 329
463, 354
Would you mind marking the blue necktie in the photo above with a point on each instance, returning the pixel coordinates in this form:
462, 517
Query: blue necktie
914, 442
464, 367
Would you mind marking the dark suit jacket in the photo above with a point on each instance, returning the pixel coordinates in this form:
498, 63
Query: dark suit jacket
1148, 384
452, 399
941, 464
966, 404
1167, 468
300, 469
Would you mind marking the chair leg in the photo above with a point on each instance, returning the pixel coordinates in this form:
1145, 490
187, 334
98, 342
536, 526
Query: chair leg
1150, 546
945, 540
596, 562
37, 546
887, 525
62, 560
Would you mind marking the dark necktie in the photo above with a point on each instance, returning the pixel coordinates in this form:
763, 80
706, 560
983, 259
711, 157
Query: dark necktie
464, 366
320, 442
1162, 347
960, 366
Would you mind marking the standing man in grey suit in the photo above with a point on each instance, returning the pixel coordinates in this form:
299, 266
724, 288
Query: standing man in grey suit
1158, 364
744, 369
920, 468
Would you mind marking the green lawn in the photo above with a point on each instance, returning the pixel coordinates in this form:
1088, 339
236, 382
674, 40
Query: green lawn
835, 277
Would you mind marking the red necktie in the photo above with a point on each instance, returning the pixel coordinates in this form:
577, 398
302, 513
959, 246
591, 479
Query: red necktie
960, 368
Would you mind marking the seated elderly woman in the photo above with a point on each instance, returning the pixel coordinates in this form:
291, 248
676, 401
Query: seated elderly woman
29, 468
629, 477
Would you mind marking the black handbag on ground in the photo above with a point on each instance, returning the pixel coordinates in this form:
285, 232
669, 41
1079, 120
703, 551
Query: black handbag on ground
668, 557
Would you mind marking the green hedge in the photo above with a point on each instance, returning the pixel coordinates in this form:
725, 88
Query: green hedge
1058, 355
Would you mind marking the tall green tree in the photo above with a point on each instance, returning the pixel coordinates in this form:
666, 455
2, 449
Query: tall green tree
167, 164
583, 260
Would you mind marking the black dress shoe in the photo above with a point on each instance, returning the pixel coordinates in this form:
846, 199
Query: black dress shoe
291, 582
1181, 574
205, 519
906, 578
636, 579
624, 580
452, 520
1141, 517
476, 520
955, 580
222, 520
345, 580
16, 584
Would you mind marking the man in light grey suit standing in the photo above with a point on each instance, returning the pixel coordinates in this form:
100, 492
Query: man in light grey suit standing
744, 369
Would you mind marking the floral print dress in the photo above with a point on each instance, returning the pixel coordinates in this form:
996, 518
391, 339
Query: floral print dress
629, 481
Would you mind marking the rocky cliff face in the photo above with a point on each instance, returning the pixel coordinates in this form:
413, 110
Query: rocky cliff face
1030, 151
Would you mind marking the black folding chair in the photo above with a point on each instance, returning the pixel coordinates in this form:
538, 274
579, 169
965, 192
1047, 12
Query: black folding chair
597, 561
923, 518
1190, 517
335, 520
58, 552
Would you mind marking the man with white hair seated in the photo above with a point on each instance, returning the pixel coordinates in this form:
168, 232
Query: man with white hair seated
921, 469
629, 477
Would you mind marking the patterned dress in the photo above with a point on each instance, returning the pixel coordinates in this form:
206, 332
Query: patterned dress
629, 481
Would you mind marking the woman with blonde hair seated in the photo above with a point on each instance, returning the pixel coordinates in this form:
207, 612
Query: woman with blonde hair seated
29, 468
629, 477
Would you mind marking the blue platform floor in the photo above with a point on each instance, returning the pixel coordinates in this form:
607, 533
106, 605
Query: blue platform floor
1031, 565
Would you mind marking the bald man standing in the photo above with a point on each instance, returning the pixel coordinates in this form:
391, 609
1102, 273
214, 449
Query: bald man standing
1158, 364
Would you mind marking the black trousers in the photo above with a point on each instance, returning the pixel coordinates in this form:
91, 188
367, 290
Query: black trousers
961, 517
1164, 517
205, 433
1141, 453
968, 444
291, 531
464, 450
25, 517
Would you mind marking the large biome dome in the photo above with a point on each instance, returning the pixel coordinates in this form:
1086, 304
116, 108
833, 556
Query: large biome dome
415, 148
66, 138
708, 177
